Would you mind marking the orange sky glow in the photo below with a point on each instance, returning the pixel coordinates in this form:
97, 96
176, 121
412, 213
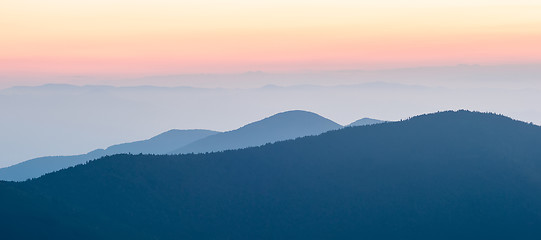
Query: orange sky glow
120, 37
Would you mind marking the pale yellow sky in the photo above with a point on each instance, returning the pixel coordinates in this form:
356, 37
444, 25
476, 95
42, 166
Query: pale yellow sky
166, 36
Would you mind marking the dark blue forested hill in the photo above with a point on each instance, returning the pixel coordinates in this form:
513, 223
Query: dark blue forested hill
448, 175
279, 127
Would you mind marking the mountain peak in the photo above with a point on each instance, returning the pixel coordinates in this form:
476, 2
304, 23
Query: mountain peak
364, 122
294, 117
463, 116
281, 126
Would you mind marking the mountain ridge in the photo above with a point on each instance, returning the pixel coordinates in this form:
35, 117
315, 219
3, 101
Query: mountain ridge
278, 127
365, 121
446, 175
159, 144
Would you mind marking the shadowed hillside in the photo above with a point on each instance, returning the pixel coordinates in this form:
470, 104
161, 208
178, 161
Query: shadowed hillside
449, 175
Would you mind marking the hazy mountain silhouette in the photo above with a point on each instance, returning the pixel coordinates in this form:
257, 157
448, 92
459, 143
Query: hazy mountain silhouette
160, 144
282, 126
279, 127
87, 108
449, 175
364, 122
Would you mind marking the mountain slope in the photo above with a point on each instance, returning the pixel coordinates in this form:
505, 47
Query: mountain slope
160, 144
365, 121
279, 127
450, 175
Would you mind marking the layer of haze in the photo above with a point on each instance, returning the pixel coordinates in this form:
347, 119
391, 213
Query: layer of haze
67, 119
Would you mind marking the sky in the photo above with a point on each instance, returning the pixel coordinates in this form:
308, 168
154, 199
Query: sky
246, 60
134, 38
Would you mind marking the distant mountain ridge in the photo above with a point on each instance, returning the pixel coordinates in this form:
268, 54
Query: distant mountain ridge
282, 126
160, 144
279, 127
364, 122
